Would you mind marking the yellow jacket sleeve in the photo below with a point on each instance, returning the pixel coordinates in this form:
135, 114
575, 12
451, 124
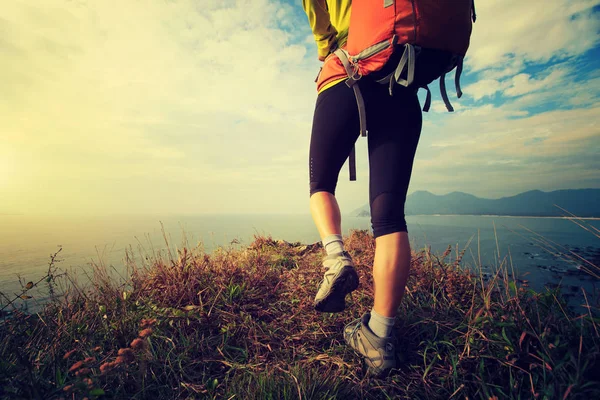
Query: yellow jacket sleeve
320, 23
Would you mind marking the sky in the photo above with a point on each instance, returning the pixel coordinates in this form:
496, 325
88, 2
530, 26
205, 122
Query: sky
205, 107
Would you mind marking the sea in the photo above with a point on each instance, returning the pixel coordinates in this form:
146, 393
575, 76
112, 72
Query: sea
542, 252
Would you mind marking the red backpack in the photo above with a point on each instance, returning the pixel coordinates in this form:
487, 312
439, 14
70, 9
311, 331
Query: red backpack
380, 29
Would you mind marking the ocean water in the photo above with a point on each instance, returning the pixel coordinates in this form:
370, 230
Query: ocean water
26, 242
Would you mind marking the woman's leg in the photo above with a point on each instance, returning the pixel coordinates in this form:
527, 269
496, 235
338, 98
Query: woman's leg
335, 129
334, 132
394, 129
390, 272
394, 126
325, 212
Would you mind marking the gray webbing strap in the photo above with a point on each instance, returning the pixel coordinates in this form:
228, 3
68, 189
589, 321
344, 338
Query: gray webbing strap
427, 99
362, 113
407, 61
459, 68
385, 79
351, 82
444, 93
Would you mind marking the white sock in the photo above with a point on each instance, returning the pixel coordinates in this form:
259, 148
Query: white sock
380, 325
333, 244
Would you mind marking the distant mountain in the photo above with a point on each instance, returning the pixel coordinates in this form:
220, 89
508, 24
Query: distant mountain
535, 203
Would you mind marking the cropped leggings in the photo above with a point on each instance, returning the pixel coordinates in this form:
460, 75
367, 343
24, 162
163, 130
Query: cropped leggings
393, 125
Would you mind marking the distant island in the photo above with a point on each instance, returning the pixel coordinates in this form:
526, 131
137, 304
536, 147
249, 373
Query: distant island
535, 203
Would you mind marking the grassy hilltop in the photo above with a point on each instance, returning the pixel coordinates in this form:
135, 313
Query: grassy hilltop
239, 324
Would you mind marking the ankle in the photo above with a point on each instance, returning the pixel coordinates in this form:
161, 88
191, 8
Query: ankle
333, 244
381, 325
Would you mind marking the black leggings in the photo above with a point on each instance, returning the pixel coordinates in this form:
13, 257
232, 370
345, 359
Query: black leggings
394, 126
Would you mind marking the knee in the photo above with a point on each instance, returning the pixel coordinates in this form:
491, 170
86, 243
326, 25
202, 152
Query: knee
322, 186
387, 214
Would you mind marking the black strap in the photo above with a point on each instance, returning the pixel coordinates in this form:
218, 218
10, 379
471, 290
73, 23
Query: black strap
427, 99
459, 68
319, 74
352, 163
444, 93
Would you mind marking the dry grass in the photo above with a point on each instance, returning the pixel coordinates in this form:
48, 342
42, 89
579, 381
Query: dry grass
240, 324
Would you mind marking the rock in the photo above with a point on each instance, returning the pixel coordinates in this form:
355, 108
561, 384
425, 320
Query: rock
301, 250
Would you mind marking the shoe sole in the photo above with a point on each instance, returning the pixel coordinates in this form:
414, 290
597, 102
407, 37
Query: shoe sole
334, 301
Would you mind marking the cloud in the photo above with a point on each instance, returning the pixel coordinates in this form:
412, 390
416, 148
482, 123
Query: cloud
487, 151
565, 93
186, 106
516, 31
521, 83
105, 91
485, 88
525, 84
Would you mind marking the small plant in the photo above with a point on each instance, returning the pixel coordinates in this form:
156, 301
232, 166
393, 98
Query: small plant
234, 292
50, 279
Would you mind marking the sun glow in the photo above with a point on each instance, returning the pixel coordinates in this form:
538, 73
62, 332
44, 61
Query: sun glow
7, 167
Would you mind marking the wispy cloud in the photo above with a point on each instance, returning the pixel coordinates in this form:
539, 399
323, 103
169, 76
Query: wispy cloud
490, 154
218, 92
530, 31
181, 106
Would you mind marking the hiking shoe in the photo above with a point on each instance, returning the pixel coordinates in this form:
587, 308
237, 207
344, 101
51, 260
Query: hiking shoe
379, 353
339, 280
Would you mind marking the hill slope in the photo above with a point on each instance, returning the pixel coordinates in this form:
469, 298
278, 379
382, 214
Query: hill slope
581, 202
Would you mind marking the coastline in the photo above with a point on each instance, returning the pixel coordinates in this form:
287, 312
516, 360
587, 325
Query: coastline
502, 216
493, 215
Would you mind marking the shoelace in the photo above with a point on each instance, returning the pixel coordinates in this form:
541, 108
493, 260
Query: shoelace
325, 277
354, 330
